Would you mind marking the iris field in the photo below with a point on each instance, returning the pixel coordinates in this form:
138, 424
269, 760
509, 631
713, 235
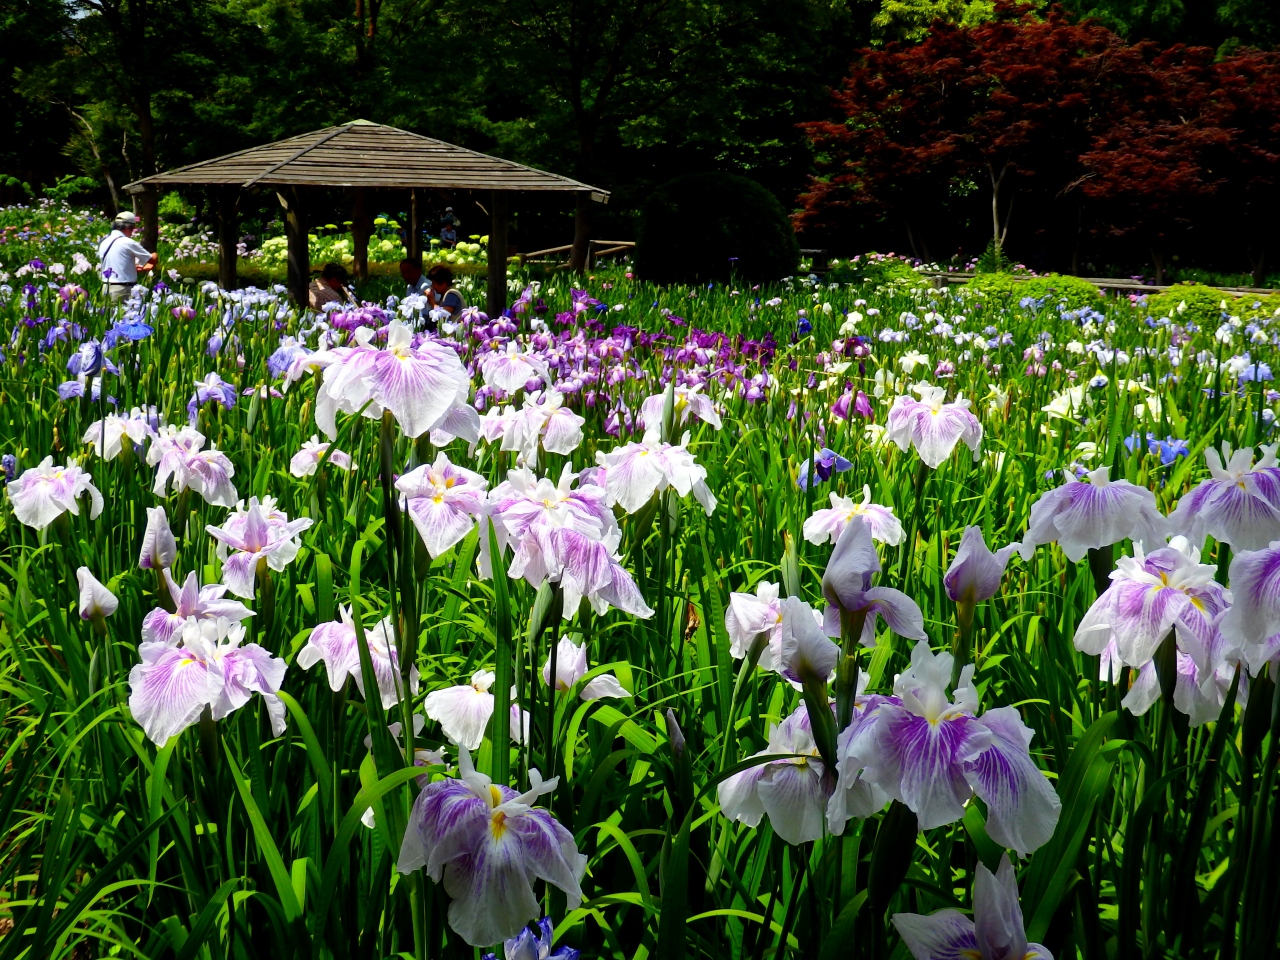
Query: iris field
812, 621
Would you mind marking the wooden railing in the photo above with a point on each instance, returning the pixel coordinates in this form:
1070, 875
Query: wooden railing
595, 250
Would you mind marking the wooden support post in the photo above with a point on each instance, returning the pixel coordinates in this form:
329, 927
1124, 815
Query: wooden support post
497, 301
146, 204
295, 229
227, 207
580, 255
361, 228
413, 235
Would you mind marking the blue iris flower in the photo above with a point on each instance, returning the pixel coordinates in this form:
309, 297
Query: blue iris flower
1170, 449
87, 361
825, 463
130, 330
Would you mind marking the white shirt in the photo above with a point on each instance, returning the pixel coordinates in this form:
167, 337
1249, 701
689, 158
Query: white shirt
420, 288
121, 256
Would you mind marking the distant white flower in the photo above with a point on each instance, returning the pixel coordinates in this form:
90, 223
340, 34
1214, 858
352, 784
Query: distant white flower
306, 461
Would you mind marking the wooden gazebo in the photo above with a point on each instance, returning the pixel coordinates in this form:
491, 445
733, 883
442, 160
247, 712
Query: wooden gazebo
360, 157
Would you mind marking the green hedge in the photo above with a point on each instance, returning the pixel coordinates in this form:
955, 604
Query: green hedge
1052, 287
1204, 305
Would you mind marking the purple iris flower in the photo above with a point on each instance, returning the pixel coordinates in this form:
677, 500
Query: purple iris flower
996, 931
1150, 595
212, 389
1252, 623
285, 355
190, 601
1239, 504
522, 302
211, 669
933, 754
70, 388
527, 945
844, 403
9, 463
825, 463
489, 845
1085, 516
1256, 372
846, 585
582, 300
804, 325
975, 573
932, 426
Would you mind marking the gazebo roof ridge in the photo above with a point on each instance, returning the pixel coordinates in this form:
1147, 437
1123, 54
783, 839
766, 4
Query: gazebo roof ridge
361, 153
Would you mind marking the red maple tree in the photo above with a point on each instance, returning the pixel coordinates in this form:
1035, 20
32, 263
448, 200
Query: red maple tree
1151, 167
1246, 106
1006, 107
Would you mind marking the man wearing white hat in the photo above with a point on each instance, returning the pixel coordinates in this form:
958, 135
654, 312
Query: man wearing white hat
121, 258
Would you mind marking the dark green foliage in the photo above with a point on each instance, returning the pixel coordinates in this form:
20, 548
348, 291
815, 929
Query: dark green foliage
713, 226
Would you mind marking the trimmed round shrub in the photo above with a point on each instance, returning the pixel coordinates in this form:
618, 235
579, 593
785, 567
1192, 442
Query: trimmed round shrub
705, 227
875, 269
1052, 288
1055, 287
1204, 305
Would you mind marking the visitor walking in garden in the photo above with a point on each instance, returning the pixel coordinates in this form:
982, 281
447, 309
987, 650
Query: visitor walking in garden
121, 258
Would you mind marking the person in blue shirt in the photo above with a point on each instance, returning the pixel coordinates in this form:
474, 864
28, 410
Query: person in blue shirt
415, 282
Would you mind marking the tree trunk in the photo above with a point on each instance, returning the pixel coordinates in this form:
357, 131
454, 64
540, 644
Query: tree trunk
361, 228
413, 235
1258, 267
911, 239
581, 251
148, 202
295, 228
996, 237
1075, 247
497, 292
228, 208
1157, 260
147, 206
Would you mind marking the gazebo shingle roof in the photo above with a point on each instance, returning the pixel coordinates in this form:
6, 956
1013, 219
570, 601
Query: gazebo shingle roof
364, 154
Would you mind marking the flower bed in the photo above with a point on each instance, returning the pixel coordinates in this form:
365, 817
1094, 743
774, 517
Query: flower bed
693, 621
